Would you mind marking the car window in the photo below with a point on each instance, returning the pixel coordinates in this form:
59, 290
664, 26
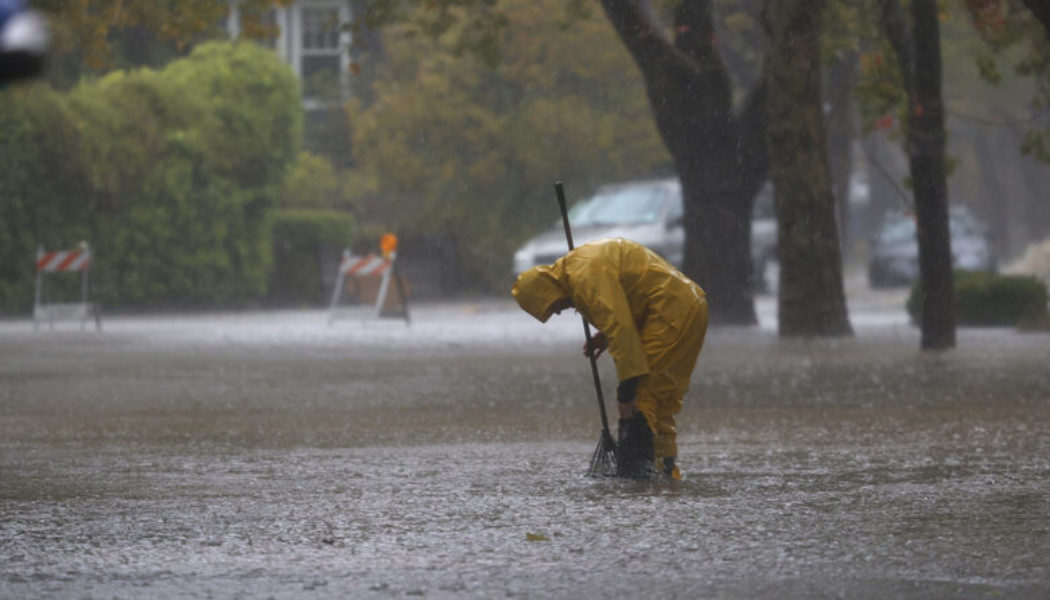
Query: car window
624, 206
964, 225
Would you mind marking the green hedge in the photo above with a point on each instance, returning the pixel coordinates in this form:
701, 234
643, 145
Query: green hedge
38, 164
169, 174
992, 300
305, 242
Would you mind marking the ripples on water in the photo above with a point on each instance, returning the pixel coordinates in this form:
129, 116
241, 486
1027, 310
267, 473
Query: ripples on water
223, 468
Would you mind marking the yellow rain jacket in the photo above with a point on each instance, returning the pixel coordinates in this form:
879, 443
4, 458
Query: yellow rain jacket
653, 317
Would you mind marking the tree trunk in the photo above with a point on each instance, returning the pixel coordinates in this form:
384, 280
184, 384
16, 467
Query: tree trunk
812, 301
919, 53
720, 159
1041, 10
926, 141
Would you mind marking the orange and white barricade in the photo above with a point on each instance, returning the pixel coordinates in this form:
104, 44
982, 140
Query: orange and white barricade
361, 273
74, 261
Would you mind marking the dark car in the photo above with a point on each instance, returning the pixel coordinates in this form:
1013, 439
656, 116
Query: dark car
895, 249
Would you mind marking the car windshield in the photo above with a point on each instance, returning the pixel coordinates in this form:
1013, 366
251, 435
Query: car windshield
623, 206
898, 230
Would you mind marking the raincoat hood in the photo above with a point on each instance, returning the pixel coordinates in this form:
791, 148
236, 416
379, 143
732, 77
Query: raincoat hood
536, 291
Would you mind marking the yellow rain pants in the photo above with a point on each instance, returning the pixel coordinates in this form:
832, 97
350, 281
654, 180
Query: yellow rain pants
653, 317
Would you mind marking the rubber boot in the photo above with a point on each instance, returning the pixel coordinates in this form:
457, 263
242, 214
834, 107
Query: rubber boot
634, 453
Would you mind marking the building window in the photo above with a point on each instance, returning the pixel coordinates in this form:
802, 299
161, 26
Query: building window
320, 29
321, 61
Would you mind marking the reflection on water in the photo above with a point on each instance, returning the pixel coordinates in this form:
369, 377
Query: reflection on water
324, 466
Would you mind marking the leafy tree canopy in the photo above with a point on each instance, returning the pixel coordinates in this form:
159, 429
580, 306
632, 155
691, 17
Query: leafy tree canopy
1018, 42
453, 146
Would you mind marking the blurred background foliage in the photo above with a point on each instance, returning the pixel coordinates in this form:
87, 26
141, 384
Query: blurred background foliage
169, 174
307, 246
454, 148
180, 158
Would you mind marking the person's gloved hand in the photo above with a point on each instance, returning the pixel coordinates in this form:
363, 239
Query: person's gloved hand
597, 344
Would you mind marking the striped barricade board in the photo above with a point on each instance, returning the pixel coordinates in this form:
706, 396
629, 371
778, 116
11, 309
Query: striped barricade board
63, 261
368, 271
76, 261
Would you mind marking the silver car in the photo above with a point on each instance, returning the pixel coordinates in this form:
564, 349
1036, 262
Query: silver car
648, 212
895, 249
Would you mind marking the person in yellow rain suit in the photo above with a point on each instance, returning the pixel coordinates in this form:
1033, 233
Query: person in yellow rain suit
650, 317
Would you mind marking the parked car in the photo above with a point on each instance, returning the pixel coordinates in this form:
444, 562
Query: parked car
648, 212
895, 249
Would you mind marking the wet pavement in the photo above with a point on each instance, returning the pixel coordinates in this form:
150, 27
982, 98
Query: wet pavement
264, 455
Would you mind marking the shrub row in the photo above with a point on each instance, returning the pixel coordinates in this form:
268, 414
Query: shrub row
993, 300
170, 174
307, 245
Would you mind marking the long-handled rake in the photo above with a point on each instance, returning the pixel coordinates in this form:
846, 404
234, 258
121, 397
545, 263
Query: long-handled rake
603, 461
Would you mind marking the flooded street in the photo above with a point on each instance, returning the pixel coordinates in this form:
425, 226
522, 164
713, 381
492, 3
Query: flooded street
269, 455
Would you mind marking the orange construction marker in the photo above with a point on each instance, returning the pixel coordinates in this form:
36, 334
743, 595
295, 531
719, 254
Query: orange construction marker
388, 244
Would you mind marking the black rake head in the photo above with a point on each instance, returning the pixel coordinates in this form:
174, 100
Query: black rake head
603, 461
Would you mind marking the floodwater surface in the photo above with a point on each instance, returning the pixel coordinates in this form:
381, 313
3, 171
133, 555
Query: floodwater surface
269, 455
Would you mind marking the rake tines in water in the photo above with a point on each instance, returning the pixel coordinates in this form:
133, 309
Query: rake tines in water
603, 461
